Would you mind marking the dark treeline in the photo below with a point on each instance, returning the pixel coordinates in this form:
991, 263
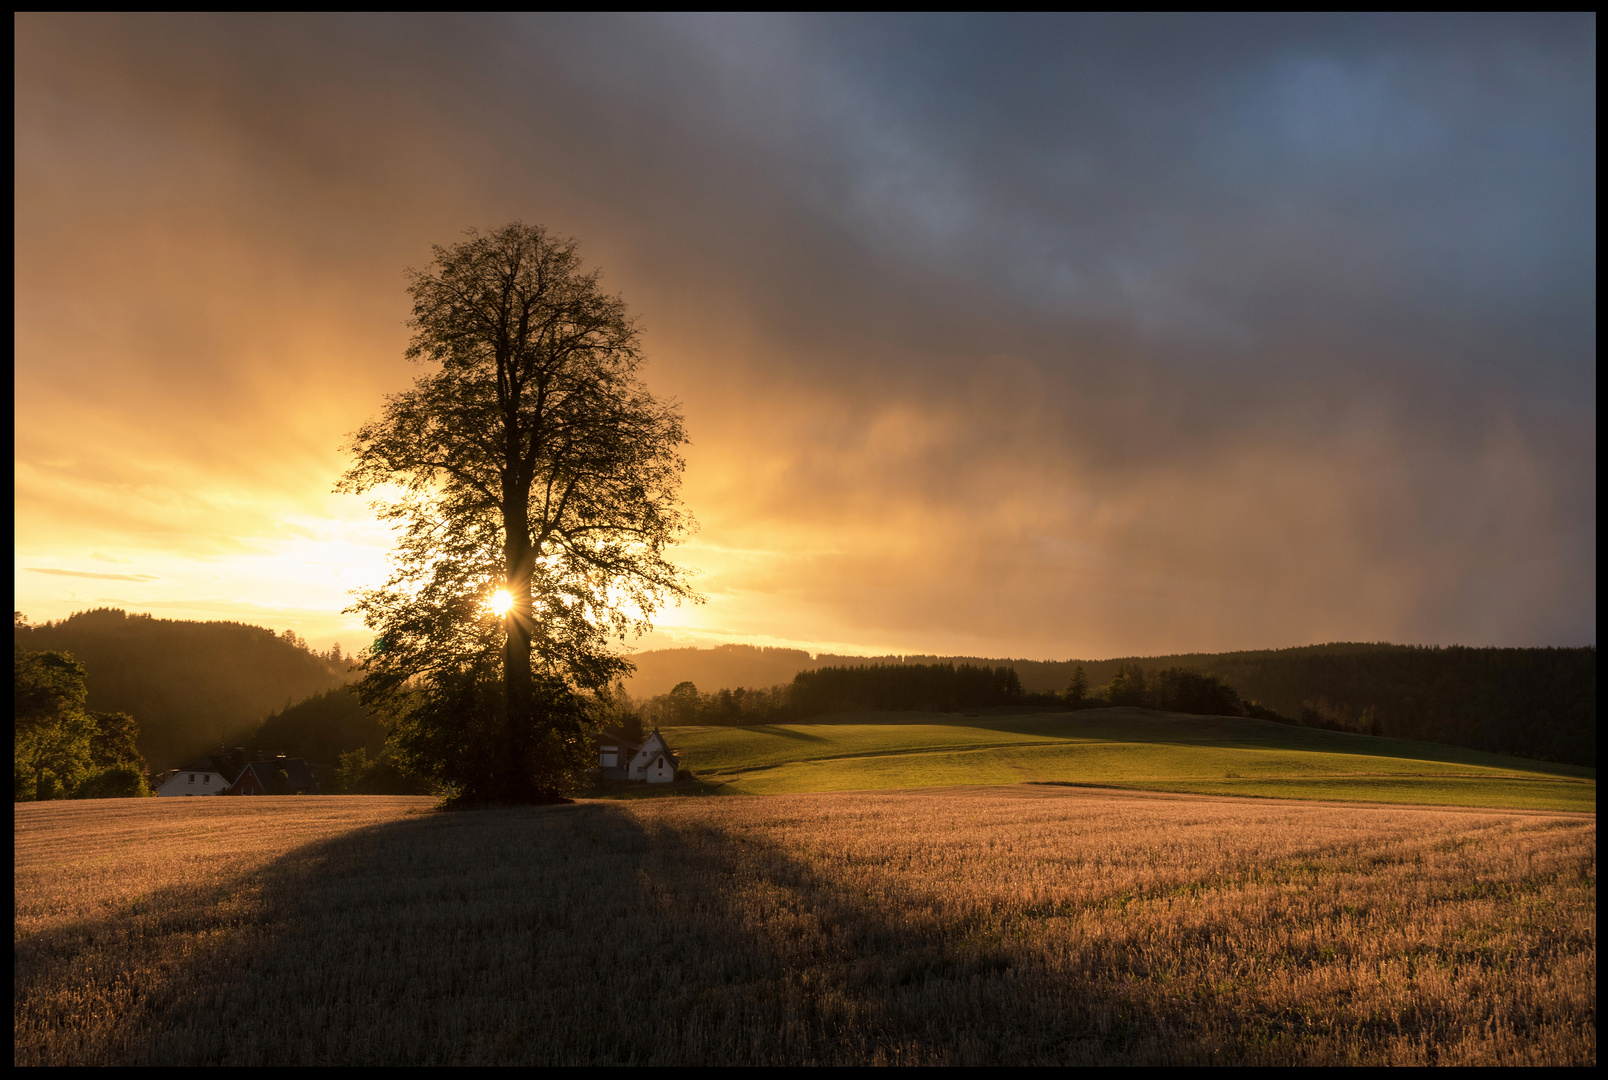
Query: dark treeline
930, 687
1536, 703
933, 688
1172, 689
874, 687
190, 686
657, 670
685, 705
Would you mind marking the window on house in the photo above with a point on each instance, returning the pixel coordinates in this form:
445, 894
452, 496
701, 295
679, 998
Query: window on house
192, 778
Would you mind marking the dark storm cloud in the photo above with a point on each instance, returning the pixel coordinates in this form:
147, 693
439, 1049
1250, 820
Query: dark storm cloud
1043, 335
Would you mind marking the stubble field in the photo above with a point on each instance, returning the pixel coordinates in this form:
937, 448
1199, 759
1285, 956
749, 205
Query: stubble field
1012, 926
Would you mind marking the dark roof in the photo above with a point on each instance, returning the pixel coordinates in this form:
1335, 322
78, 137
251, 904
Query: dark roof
300, 773
296, 771
214, 763
609, 735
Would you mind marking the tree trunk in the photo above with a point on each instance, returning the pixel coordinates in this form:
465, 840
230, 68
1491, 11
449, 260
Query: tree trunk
518, 692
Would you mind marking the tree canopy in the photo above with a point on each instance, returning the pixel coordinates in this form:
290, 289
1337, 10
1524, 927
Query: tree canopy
60, 748
537, 492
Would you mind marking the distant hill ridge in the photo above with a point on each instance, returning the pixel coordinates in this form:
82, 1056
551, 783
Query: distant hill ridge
190, 686
1535, 702
659, 670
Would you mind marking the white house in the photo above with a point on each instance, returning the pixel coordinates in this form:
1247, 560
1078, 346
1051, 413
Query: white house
651, 760
209, 776
654, 761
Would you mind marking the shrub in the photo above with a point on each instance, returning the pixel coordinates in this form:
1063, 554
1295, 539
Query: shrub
358, 774
121, 781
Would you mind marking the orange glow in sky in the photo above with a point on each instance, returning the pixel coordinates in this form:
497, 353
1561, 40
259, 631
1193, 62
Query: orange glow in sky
1214, 368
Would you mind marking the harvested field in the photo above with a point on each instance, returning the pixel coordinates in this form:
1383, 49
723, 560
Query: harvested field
1011, 926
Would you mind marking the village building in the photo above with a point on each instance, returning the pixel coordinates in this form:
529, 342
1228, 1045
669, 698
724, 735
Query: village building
211, 775
614, 754
263, 778
651, 760
240, 773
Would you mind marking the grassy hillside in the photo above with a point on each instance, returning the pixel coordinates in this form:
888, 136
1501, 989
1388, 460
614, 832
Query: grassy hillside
1131, 748
1536, 703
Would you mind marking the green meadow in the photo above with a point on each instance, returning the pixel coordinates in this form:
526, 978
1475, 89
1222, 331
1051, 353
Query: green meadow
1120, 748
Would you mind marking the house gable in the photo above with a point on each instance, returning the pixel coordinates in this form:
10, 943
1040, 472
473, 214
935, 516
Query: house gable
661, 770
250, 783
654, 749
258, 778
636, 762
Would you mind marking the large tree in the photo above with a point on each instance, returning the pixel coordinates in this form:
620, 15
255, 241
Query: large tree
534, 487
51, 730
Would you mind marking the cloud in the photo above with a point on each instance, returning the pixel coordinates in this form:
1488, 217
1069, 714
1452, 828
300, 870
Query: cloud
223, 605
1036, 335
88, 574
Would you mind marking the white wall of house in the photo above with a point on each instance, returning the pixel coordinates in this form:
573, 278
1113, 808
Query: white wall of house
654, 744
661, 770
195, 783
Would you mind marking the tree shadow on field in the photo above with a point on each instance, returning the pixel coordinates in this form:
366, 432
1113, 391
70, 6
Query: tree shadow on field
410, 942
585, 934
789, 965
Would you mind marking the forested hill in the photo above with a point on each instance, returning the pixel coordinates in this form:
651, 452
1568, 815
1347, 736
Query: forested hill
188, 685
1539, 703
659, 670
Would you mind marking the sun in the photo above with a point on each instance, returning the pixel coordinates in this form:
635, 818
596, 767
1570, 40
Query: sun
500, 602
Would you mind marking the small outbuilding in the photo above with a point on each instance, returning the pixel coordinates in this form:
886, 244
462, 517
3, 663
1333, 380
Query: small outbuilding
614, 754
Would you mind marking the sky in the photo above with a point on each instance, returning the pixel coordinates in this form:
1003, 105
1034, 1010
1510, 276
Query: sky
996, 336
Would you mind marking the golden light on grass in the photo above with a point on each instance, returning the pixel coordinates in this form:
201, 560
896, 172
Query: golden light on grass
1003, 926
